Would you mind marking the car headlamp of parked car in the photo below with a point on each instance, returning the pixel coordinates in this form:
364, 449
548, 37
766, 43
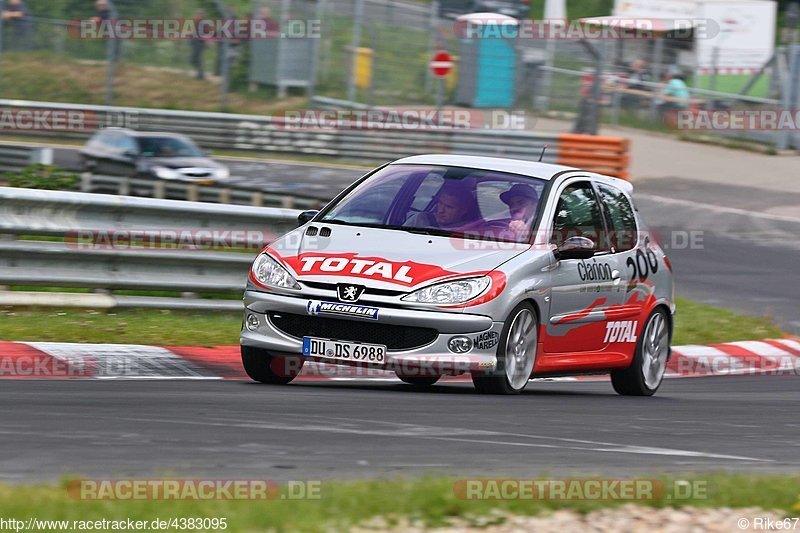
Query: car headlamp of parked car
269, 273
452, 292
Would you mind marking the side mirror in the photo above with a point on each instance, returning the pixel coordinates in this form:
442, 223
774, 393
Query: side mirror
576, 248
131, 154
305, 217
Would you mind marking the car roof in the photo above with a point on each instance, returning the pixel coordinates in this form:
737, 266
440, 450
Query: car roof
533, 169
135, 133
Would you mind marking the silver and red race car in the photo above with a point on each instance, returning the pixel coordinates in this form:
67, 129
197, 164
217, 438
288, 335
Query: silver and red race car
440, 264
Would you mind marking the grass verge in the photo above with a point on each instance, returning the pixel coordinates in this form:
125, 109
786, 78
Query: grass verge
695, 323
431, 501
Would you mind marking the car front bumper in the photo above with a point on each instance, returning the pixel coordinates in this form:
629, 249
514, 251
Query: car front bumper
432, 358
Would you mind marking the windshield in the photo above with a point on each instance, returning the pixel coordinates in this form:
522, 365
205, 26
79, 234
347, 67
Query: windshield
448, 201
168, 147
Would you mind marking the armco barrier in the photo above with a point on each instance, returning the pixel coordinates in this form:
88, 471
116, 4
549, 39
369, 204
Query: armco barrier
63, 263
271, 135
181, 190
14, 157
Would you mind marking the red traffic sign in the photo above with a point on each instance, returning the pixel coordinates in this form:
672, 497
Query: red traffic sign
441, 63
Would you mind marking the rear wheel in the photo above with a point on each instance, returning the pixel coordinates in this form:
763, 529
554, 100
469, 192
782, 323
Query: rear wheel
262, 366
420, 381
646, 372
516, 354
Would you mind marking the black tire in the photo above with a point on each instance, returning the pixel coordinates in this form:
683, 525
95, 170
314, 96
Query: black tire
419, 381
261, 366
631, 381
497, 382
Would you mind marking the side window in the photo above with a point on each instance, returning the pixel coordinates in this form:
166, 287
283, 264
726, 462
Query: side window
622, 219
113, 142
578, 214
128, 144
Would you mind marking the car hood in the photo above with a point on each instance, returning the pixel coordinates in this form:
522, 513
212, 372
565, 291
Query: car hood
182, 162
387, 259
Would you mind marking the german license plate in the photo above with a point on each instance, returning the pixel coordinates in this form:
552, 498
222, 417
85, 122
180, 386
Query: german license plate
343, 351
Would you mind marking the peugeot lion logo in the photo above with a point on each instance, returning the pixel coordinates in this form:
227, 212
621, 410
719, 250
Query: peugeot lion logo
349, 293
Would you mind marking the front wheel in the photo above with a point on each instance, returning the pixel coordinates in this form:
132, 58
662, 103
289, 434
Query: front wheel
516, 354
646, 372
264, 367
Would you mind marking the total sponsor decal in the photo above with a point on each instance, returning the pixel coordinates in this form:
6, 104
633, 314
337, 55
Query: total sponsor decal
621, 331
408, 273
315, 307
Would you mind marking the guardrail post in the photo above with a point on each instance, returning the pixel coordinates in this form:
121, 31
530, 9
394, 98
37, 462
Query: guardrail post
257, 199
287, 202
86, 182
224, 196
159, 190
124, 187
192, 193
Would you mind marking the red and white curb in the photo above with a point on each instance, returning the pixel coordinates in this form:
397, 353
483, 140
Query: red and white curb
55, 360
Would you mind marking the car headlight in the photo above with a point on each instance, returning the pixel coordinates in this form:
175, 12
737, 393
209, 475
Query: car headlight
166, 173
268, 272
222, 173
451, 292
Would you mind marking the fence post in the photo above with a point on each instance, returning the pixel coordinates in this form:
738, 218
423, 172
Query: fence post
794, 89
112, 51
354, 46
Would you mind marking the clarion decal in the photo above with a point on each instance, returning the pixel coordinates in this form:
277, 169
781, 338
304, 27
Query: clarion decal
315, 307
594, 271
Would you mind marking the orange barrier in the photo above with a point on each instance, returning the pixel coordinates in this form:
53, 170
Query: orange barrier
604, 155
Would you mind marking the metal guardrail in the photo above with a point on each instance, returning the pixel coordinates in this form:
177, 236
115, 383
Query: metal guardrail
273, 135
179, 190
76, 218
15, 157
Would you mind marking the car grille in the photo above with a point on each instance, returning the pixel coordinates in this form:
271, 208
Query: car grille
393, 337
332, 287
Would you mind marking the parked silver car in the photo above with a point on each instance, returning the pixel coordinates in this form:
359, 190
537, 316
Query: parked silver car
441, 264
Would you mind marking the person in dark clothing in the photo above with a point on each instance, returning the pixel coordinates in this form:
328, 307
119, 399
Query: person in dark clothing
17, 24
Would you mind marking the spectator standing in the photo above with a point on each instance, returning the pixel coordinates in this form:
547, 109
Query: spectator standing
637, 74
16, 20
675, 95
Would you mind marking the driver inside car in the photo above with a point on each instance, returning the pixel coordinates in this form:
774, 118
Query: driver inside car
455, 206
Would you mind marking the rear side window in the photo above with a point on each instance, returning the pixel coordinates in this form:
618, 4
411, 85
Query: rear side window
621, 218
578, 215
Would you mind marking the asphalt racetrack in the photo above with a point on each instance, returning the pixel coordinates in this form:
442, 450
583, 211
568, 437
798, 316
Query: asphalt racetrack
306, 431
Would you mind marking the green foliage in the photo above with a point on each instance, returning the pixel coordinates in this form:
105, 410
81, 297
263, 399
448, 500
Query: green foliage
42, 177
